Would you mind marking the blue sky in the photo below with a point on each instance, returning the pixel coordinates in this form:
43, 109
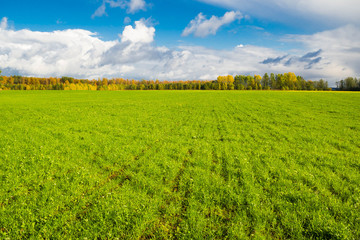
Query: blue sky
183, 39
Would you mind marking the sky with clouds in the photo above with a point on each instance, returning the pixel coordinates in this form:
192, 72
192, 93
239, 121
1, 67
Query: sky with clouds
180, 40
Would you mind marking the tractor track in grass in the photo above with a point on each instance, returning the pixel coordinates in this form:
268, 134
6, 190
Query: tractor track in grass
178, 192
256, 166
227, 172
185, 194
225, 139
221, 158
182, 185
184, 190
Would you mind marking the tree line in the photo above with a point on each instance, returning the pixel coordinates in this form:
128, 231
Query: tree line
349, 84
286, 81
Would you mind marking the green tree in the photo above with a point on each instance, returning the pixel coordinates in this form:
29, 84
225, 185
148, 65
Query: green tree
280, 82
239, 82
350, 83
265, 81
250, 82
322, 85
272, 81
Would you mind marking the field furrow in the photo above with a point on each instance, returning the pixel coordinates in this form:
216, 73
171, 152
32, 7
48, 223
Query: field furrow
179, 165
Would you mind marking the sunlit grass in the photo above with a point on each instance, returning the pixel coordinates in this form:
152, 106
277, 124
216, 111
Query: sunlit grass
180, 164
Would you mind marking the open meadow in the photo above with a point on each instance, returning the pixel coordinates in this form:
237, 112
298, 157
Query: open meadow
179, 165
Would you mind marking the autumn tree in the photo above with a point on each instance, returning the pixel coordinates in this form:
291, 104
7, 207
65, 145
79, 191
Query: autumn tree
225, 82
257, 79
250, 82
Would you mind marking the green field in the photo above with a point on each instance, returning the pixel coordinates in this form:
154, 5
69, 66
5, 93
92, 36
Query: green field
179, 164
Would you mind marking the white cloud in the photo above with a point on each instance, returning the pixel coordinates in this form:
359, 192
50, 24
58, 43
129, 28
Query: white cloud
3, 23
132, 6
136, 5
70, 52
328, 12
75, 52
340, 49
331, 55
202, 27
140, 34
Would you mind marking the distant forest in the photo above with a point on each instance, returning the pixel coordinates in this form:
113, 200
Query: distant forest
286, 81
349, 84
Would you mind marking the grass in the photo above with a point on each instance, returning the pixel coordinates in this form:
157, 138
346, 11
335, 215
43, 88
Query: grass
180, 165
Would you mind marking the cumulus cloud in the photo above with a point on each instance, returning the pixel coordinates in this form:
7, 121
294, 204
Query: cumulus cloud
140, 34
202, 27
135, 46
69, 52
132, 6
75, 52
331, 12
331, 55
